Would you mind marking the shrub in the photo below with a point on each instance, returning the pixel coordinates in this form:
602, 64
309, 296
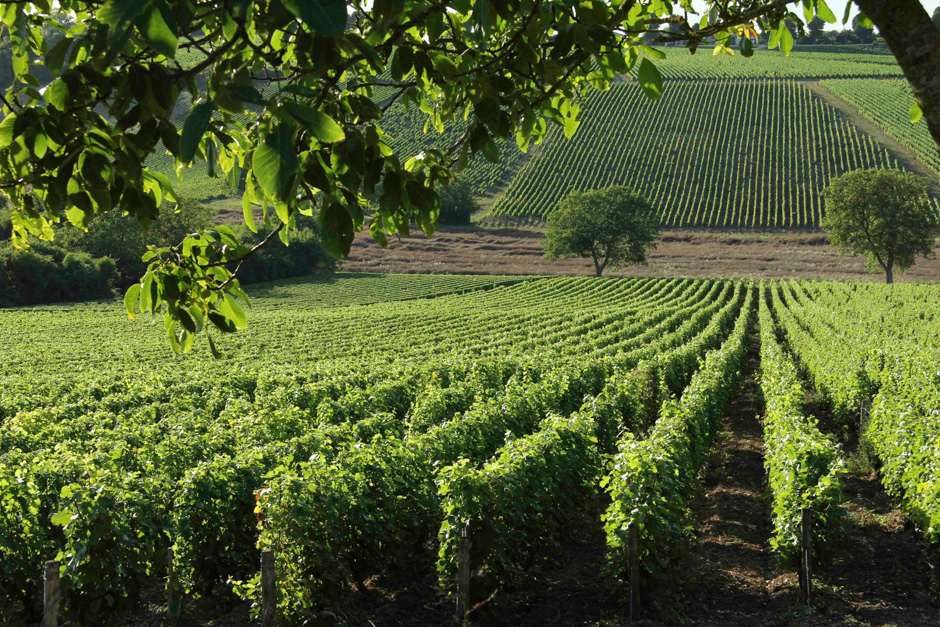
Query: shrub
6, 222
47, 273
304, 255
457, 203
124, 240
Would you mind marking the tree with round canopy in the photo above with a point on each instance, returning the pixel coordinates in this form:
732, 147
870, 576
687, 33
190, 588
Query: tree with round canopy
614, 227
884, 215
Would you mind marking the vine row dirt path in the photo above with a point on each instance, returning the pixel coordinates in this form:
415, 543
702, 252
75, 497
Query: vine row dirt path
880, 574
731, 576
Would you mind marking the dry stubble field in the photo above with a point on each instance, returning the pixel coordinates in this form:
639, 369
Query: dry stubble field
682, 253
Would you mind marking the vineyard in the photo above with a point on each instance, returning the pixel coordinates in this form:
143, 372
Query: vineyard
410, 137
883, 375
364, 423
805, 63
886, 103
735, 142
722, 155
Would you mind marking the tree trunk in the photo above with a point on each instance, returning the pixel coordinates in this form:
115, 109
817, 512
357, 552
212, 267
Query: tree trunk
915, 41
889, 275
598, 268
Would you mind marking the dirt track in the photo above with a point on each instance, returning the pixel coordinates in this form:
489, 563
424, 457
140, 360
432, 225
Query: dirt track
731, 576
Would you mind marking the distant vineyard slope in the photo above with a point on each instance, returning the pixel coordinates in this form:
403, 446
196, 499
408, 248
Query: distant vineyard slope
763, 166
809, 62
886, 104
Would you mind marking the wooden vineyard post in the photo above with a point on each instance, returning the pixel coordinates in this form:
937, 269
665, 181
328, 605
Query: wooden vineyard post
633, 560
268, 590
806, 556
463, 575
50, 595
172, 594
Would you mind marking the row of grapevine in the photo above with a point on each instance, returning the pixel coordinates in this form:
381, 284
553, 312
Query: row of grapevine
106, 468
712, 154
472, 437
843, 384
904, 430
887, 103
525, 314
879, 48
341, 289
652, 479
882, 356
519, 505
803, 465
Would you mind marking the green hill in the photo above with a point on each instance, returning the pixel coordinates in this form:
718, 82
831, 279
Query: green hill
708, 154
734, 143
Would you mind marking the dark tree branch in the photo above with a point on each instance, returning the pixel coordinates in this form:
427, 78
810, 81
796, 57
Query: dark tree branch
241, 260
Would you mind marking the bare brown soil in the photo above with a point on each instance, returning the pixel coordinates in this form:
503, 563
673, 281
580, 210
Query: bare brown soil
476, 250
731, 575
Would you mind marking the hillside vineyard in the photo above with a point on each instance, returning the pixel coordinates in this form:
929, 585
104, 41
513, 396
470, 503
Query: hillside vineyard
734, 143
807, 62
503, 406
729, 154
886, 103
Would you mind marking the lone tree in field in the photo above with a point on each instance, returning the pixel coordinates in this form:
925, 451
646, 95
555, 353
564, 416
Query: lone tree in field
615, 227
883, 214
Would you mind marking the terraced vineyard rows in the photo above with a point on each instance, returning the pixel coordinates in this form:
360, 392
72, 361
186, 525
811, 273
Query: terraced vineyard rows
342, 289
652, 480
803, 465
886, 361
763, 166
187, 453
195, 183
410, 137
